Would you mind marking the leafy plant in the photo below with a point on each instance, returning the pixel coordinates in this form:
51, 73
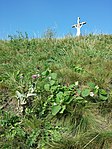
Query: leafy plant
55, 93
57, 96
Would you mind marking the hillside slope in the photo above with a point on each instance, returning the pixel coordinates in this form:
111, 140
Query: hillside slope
56, 93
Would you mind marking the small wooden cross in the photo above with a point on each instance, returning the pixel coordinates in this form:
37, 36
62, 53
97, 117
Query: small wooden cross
78, 26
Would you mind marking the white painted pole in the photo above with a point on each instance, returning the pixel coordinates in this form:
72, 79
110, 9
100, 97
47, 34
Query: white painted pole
78, 31
78, 20
78, 26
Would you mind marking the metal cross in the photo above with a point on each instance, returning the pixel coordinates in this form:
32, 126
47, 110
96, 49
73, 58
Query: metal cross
78, 26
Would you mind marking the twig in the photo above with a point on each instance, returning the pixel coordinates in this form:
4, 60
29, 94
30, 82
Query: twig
5, 105
90, 141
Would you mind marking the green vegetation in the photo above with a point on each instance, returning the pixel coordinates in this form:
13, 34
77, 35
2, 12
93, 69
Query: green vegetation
56, 93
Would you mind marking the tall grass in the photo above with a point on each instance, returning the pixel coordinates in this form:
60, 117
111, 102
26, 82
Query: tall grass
73, 59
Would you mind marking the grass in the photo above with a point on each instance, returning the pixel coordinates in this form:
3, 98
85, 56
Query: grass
75, 125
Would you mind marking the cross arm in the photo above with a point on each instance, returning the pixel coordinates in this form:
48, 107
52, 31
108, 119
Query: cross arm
82, 23
75, 25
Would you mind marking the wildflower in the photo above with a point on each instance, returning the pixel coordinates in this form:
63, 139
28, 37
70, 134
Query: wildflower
34, 76
91, 94
54, 104
49, 71
38, 75
76, 83
49, 78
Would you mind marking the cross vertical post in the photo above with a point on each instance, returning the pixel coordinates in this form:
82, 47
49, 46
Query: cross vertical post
78, 26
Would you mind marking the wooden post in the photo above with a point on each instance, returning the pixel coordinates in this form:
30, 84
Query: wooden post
78, 26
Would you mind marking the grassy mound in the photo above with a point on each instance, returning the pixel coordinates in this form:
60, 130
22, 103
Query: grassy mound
56, 93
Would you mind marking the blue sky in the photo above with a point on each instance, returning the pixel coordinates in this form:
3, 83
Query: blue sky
35, 16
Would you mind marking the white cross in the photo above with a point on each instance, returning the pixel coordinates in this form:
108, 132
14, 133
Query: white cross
78, 26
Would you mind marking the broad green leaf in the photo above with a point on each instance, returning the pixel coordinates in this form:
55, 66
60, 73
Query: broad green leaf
58, 100
79, 91
59, 97
53, 76
79, 98
47, 87
52, 82
103, 97
71, 86
63, 108
95, 91
55, 109
45, 73
85, 92
67, 93
102, 92
69, 101
91, 85
53, 88
18, 72
66, 98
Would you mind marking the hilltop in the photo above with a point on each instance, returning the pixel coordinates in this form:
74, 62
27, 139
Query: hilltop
64, 89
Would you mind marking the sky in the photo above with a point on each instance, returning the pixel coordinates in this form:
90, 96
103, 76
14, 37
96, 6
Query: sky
36, 16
